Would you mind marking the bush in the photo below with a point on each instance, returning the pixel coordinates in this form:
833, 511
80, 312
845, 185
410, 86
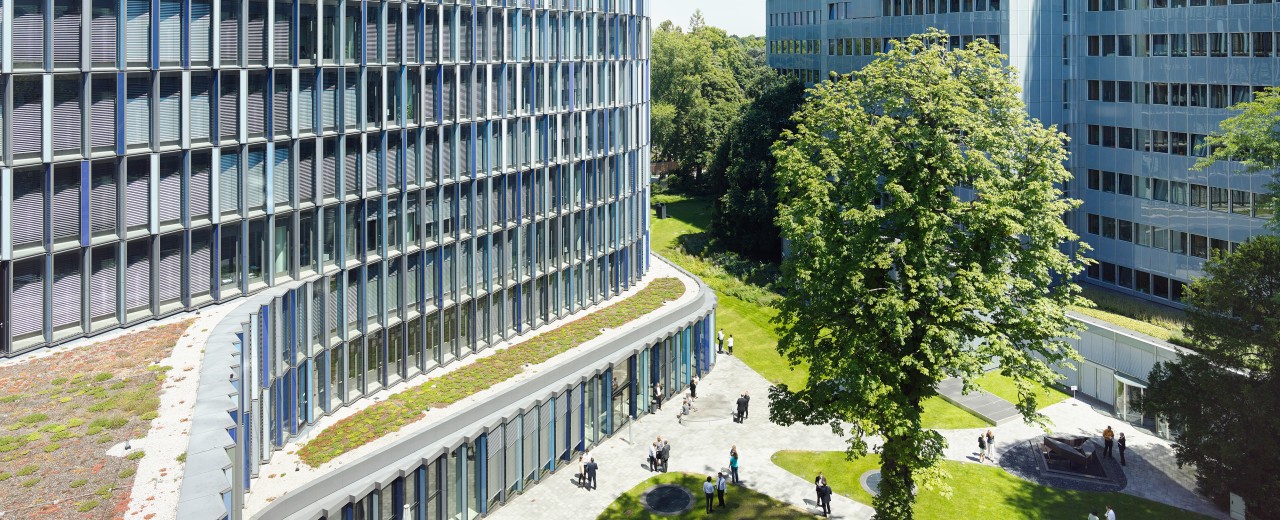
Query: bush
35, 418
103, 376
127, 472
87, 506
28, 469
137, 455
78, 483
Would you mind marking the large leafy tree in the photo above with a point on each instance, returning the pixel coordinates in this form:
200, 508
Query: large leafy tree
926, 234
1253, 137
742, 174
1224, 402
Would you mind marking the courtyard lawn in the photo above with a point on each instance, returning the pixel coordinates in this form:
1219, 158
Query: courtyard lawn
978, 491
740, 502
748, 318
1003, 387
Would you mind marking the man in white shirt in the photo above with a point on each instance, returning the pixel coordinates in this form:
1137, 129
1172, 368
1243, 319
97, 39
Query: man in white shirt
720, 342
731, 344
721, 483
1111, 514
709, 490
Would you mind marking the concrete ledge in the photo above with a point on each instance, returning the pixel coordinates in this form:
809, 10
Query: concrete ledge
331, 491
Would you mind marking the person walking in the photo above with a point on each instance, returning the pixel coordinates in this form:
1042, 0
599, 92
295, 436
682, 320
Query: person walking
709, 490
1108, 439
1111, 513
1121, 443
991, 445
824, 498
733, 462
720, 342
982, 448
591, 468
693, 387
721, 483
746, 407
653, 456
818, 481
742, 409
730, 344
582, 470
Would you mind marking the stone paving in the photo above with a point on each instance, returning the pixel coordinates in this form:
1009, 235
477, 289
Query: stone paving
701, 442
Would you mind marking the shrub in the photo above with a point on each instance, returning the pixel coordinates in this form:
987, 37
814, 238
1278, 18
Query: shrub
87, 506
102, 376
28, 469
78, 483
34, 418
182, 457
30, 482
5, 475
51, 447
127, 472
137, 455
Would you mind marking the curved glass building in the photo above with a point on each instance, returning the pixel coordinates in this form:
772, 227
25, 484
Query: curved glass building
455, 172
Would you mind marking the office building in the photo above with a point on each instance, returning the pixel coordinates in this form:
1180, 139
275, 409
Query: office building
1135, 84
455, 172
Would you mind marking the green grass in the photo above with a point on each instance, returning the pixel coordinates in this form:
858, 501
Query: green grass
408, 406
740, 502
1003, 387
978, 491
1152, 319
745, 312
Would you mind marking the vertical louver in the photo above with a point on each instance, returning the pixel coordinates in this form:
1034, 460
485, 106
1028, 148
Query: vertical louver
103, 216
28, 203
199, 184
66, 113
170, 198
171, 32
281, 176
137, 192
138, 25
170, 115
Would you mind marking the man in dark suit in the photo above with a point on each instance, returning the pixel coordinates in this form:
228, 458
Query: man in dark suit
742, 409
746, 407
590, 467
824, 493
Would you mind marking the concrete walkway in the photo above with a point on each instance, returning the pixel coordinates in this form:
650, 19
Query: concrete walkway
979, 402
699, 444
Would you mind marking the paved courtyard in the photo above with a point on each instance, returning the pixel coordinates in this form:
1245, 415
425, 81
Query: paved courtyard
701, 444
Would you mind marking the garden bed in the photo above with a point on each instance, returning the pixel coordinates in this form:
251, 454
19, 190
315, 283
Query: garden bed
408, 406
63, 412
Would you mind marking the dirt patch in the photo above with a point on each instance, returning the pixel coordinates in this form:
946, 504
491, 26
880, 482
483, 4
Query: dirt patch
60, 415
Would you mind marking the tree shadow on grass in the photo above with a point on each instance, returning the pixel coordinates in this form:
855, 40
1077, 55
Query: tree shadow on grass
741, 503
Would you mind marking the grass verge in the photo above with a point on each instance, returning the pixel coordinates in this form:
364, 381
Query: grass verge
745, 310
1002, 386
1132, 313
66, 410
740, 502
978, 491
407, 406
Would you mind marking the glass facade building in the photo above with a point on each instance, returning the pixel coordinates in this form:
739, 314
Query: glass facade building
1135, 84
456, 172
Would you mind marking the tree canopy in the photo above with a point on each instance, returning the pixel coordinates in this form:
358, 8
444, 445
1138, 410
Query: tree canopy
1252, 137
926, 234
1224, 402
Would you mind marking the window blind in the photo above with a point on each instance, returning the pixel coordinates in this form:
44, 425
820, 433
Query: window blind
65, 203
102, 283
372, 170
349, 116
229, 181
256, 177
329, 102
329, 175
228, 108
27, 306
66, 32
201, 102
199, 184
138, 110
392, 166
25, 117
170, 189
28, 203
351, 167
256, 104
280, 104
255, 31
411, 280
393, 34
281, 176
283, 31
411, 170
137, 41
170, 269
372, 14
201, 31
28, 33
353, 298
200, 276
66, 113
137, 192
306, 171
137, 276
429, 168
170, 115
171, 31
104, 32
411, 35
306, 101
102, 198
229, 33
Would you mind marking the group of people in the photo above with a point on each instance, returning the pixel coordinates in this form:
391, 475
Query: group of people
716, 490
721, 343
986, 446
659, 454
587, 468
824, 493
744, 402
1110, 441
1109, 515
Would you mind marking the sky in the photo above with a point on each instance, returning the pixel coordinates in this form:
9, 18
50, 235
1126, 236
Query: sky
740, 17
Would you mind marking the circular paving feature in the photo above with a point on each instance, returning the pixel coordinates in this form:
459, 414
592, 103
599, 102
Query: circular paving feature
667, 499
871, 481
